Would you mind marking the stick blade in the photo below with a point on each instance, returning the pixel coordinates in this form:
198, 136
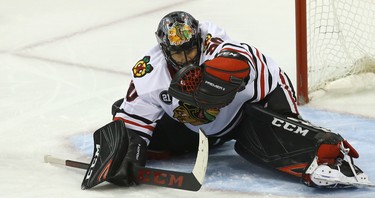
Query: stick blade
200, 167
191, 181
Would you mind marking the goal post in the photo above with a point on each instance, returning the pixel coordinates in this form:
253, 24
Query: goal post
334, 39
301, 51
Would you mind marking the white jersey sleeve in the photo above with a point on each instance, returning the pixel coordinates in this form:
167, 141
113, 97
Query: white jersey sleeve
141, 107
264, 74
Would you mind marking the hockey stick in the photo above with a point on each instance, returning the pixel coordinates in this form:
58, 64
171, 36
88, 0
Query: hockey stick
158, 177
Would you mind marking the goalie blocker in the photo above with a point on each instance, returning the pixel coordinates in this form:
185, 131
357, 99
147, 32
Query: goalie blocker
116, 150
318, 156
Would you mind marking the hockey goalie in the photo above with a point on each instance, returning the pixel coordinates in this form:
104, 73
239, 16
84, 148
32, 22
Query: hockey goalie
198, 77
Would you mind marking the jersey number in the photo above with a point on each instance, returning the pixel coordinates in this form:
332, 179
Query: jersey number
132, 93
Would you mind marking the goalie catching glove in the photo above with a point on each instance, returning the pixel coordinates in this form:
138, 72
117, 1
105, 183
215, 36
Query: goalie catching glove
214, 84
116, 149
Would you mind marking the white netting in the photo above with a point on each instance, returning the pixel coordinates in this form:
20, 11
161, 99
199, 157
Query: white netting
341, 39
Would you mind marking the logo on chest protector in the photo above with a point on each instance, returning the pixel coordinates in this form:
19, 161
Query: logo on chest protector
289, 126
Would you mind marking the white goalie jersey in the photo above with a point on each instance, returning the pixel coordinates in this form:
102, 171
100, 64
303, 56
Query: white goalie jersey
147, 98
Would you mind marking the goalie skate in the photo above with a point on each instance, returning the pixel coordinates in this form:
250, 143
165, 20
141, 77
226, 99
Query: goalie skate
343, 174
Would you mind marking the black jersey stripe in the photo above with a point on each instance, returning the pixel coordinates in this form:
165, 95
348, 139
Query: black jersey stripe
136, 117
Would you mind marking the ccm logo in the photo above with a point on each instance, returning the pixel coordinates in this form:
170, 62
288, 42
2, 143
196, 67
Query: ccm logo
155, 177
94, 160
289, 126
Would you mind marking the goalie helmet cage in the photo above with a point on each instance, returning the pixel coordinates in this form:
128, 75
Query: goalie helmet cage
334, 38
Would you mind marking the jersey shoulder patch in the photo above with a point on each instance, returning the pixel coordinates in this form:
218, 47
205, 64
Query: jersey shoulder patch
142, 67
151, 73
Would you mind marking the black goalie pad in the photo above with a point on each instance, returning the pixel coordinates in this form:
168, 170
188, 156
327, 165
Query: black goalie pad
288, 144
110, 147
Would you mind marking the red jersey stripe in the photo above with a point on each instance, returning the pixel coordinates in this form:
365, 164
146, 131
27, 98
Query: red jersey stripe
148, 127
262, 78
293, 101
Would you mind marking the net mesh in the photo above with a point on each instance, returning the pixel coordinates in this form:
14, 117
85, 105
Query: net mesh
341, 39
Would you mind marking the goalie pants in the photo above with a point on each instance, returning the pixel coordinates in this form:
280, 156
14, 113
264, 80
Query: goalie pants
166, 138
255, 139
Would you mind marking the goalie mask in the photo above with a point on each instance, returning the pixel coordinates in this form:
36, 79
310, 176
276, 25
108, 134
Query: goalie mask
178, 35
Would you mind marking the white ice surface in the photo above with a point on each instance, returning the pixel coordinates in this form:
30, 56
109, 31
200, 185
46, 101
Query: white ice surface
63, 64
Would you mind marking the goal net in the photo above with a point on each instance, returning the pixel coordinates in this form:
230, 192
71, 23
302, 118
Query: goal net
340, 40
